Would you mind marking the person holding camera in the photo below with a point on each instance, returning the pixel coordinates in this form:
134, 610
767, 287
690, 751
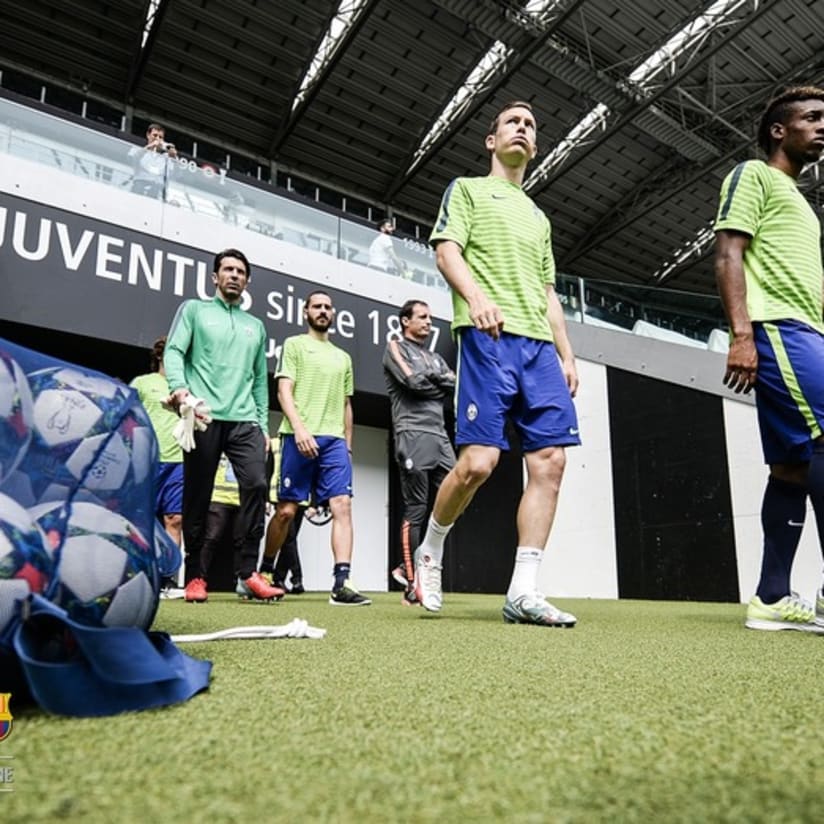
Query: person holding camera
152, 163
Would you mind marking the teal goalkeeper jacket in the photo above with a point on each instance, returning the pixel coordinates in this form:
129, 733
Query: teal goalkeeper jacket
218, 352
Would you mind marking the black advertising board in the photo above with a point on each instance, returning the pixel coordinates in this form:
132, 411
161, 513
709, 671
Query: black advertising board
73, 273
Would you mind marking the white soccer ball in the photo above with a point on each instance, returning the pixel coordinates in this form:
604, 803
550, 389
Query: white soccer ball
26, 563
105, 570
16, 415
73, 416
121, 470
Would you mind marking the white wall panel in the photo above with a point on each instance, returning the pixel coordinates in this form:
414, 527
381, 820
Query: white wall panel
748, 478
580, 560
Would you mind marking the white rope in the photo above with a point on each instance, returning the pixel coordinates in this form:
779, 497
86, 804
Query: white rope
296, 628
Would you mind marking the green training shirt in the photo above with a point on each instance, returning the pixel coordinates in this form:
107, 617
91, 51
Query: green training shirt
782, 264
218, 352
323, 380
152, 389
507, 244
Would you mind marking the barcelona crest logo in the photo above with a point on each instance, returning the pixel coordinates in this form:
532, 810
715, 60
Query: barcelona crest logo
5, 715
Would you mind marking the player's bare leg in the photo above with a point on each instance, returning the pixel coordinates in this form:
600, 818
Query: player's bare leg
344, 592
536, 513
474, 466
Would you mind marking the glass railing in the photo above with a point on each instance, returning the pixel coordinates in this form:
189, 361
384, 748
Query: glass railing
208, 191
685, 318
182, 183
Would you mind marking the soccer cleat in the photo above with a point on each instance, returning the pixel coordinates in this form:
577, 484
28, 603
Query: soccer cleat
348, 596
255, 588
195, 592
409, 599
297, 589
790, 612
535, 609
428, 582
399, 576
174, 593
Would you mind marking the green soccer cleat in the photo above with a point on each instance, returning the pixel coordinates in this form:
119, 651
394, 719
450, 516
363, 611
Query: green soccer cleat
790, 612
348, 596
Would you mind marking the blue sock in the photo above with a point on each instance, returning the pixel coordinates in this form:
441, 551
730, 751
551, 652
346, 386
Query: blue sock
341, 573
782, 518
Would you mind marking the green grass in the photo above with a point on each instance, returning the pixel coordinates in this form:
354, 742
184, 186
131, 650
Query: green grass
646, 711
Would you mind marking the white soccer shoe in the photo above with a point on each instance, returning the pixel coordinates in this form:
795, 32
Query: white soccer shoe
428, 582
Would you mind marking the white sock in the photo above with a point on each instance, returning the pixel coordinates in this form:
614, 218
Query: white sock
432, 543
525, 575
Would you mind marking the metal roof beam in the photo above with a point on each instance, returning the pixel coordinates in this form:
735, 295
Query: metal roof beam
584, 150
143, 48
523, 40
289, 122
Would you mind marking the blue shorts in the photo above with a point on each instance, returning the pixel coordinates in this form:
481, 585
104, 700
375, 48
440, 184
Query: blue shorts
513, 378
789, 389
169, 480
328, 475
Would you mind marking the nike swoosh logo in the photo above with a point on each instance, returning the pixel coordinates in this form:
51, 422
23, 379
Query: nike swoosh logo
499, 197
795, 523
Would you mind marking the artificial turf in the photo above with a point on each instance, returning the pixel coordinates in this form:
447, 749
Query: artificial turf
646, 711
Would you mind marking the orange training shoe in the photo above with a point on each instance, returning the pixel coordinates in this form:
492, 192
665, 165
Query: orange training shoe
195, 592
256, 588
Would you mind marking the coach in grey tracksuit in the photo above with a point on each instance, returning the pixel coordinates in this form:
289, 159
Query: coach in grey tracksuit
418, 382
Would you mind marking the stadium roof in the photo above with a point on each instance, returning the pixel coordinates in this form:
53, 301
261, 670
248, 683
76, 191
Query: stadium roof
643, 107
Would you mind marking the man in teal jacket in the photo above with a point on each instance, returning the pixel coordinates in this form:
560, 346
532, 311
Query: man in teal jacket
216, 352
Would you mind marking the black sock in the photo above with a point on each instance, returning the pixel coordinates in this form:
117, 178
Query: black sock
341, 573
782, 518
267, 564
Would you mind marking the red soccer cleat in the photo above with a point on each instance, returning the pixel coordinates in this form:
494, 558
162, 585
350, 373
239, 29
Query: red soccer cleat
195, 592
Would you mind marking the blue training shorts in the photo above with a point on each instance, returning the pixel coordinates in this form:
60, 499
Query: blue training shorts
169, 480
516, 378
789, 389
328, 475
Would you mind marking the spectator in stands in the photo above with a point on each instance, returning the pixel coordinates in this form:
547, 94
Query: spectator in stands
418, 382
493, 246
153, 389
768, 267
152, 163
315, 385
216, 353
382, 252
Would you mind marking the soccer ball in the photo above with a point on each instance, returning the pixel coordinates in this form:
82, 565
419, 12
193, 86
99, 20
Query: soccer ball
16, 414
121, 473
26, 563
105, 570
73, 417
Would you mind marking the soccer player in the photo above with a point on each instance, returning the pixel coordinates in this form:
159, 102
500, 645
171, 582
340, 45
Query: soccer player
216, 352
153, 389
315, 386
418, 381
769, 274
493, 246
